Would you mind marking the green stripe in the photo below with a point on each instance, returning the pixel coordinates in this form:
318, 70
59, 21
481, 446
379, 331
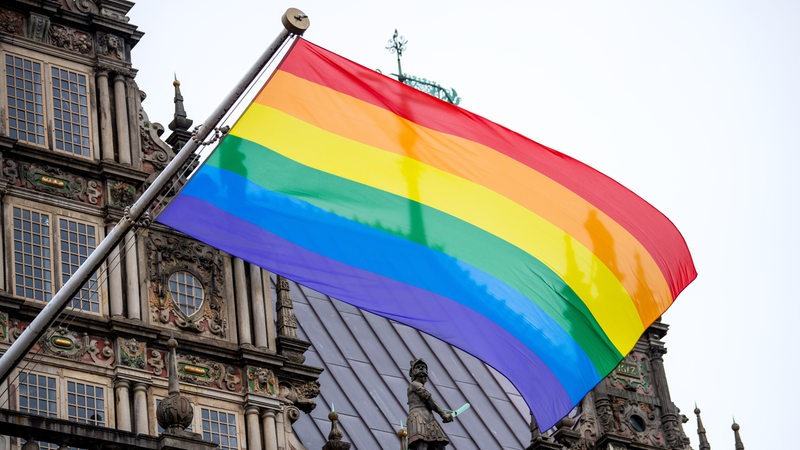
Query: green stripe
427, 226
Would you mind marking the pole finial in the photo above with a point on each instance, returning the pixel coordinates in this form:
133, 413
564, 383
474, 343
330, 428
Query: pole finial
295, 21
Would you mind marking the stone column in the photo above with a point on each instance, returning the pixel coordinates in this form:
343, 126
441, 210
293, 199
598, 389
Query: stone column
270, 432
121, 110
242, 304
132, 275
253, 428
140, 408
123, 401
115, 283
106, 131
259, 311
280, 429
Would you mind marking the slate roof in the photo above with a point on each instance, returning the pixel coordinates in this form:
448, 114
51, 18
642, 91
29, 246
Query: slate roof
366, 360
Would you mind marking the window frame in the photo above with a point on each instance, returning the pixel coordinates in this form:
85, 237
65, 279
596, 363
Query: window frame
56, 264
47, 64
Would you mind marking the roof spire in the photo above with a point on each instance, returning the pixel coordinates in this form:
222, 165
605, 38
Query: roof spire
335, 441
179, 120
180, 123
737, 438
701, 431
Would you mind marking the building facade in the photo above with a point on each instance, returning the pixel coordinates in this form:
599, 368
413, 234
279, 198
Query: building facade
261, 359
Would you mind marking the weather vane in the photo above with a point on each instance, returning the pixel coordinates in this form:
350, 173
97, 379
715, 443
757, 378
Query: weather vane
397, 45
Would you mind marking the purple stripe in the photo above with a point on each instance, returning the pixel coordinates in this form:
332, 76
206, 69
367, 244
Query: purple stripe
420, 309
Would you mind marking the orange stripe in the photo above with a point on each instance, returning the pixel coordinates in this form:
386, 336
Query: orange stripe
363, 122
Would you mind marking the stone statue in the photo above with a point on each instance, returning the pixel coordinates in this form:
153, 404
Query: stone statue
424, 432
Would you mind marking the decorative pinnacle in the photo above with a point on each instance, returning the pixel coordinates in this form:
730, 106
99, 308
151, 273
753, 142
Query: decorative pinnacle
701, 431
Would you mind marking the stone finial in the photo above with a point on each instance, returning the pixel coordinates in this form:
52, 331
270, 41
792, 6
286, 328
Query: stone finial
736, 437
175, 412
701, 431
335, 441
179, 120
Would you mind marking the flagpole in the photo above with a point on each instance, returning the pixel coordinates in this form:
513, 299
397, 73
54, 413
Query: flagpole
295, 22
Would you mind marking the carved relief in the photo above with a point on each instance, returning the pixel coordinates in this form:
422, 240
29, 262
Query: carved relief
84, 6
156, 363
301, 396
261, 381
638, 421
121, 194
3, 327
38, 27
132, 353
155, 153
632, 374
202, 371
71, 39
170, 255
112, 46
11, 22
53, 180
62, 342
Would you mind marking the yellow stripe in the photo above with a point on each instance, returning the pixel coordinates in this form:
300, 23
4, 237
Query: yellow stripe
372, 125
600, 290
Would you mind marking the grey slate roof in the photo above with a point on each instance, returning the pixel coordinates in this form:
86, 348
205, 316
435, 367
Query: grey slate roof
366, 360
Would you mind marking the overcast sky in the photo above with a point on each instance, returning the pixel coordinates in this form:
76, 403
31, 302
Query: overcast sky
692, 104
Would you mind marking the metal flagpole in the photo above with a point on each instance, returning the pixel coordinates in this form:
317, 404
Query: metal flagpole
295, 22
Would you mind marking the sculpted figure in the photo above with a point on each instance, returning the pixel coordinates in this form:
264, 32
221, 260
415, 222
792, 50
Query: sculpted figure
424, 432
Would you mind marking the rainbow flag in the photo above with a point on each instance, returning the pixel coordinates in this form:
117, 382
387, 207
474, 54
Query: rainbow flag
384, 197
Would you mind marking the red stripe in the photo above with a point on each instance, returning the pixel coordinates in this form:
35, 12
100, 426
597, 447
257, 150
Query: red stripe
648, 225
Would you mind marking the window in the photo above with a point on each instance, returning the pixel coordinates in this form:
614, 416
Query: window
34, 267
30, 111
25, 100
40, 394
85, 403
186, 291
220, 427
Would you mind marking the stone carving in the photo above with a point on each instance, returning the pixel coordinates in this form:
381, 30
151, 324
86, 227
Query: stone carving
53, 180
62, 342
170, 254
638, 421
156, 154
121, 194
632, 374
3, 327
11, 22
202, 371
301, 396
155, 363
287, 322
261, 381
132, 353
112, 46
71, 39
38, 27
84, 6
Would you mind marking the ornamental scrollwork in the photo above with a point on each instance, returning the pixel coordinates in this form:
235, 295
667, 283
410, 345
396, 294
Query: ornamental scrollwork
300, 395
71, 39
198, 370
53, 180
132, 353
62, 342
261, 381
632, 374
191, 262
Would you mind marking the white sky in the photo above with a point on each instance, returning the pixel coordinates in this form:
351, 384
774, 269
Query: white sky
692, 104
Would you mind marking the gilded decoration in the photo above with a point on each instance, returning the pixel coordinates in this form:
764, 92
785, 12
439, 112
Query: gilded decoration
261, 381
132, 353
11, 22
632, 374
62, 342
53, 180
71, 39
204, 372
170, 255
